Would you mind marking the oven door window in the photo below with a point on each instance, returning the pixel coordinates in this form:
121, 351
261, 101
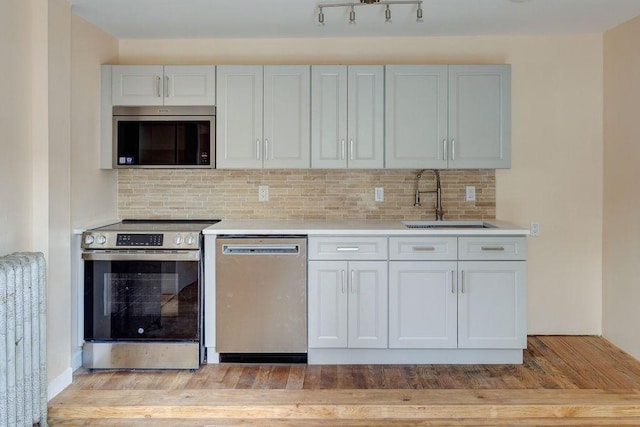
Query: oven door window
141, 300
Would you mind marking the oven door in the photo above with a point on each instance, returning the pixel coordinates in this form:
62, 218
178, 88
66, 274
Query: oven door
142, 296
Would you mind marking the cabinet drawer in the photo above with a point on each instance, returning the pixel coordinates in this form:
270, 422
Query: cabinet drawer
492, 248
347, 248
423, 248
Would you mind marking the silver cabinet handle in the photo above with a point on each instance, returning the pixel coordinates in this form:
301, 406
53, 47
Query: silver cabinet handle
492, 248
266, 148
166, 86
257, 149
352, 281
343, 282
158, 81
453, 149
444, 149
351, 149
347, 249
423, 249
453, 282
342, 148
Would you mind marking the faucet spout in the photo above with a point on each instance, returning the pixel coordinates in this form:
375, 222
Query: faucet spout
439, 211
438, 191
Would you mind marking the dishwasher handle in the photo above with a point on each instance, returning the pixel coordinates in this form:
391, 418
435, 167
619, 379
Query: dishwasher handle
249, 249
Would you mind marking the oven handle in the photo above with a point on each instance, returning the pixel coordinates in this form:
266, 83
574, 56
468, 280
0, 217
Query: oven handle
141, 256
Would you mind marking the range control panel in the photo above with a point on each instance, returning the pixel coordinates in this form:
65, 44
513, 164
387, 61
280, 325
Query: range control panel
126, 239
140, 240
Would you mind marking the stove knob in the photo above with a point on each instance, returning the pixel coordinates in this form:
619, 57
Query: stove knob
88, 239
101, 239
178, 240
190, 240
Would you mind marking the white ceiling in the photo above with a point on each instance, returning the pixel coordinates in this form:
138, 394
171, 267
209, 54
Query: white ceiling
155, 19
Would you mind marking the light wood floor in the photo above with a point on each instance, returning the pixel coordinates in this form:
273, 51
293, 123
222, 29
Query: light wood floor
564, 380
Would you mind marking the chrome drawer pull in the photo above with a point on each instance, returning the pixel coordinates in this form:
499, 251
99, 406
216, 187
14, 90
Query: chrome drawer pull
348, 249
424, 248
492, 248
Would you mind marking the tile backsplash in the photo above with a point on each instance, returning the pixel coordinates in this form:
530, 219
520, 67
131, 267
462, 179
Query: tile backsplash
300, 194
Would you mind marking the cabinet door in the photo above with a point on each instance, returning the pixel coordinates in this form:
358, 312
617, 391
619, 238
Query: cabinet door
327, 317
365, 115
423, 304
287, 133
492, 304
367, 304
415, 116
239, 117
189, 85
479, 116
137, 85
328, 116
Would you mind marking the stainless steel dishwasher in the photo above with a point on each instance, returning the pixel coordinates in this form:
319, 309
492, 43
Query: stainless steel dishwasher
261, 299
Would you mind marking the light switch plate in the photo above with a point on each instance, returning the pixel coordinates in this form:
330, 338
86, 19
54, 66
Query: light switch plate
379, 197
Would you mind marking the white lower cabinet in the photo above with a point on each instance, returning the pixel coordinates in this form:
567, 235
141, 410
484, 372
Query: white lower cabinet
423, 304
417, 299
492, 304
348, 304
470, 304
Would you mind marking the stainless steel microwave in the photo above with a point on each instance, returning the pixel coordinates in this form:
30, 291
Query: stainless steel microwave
164, 137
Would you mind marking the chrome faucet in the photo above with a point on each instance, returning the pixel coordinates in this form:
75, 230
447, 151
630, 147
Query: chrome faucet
437, 191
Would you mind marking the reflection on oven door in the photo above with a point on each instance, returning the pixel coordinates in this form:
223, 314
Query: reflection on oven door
153, 303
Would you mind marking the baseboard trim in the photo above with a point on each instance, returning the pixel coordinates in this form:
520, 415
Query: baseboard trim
59, 383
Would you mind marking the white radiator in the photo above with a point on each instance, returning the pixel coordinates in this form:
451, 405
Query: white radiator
23, 337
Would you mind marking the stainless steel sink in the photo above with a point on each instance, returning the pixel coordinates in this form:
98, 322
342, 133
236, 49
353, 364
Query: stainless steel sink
447, 224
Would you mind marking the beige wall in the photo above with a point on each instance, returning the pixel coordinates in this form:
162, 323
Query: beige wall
621, 275
93, 190
556, 178
15, 127
59, 190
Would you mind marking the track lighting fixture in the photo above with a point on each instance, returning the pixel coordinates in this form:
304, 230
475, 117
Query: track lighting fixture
387, 11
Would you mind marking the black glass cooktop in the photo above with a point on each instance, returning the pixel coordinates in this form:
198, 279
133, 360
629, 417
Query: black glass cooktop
151, 225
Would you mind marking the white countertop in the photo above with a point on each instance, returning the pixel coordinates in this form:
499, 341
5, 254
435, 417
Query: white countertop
316, 227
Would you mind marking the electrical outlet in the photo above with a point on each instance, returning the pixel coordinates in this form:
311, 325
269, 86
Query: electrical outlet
263, 193
535, 229
471, 193
379, 197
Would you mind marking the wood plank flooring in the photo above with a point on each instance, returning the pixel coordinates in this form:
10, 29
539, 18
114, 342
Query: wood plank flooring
564, 380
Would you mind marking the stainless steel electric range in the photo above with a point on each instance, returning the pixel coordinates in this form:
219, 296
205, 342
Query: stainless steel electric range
143, 287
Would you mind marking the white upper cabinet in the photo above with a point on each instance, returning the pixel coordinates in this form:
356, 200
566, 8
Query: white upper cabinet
263, 117
455, 116
287, 101
163, 85
479, 116
416, 116
347, 116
